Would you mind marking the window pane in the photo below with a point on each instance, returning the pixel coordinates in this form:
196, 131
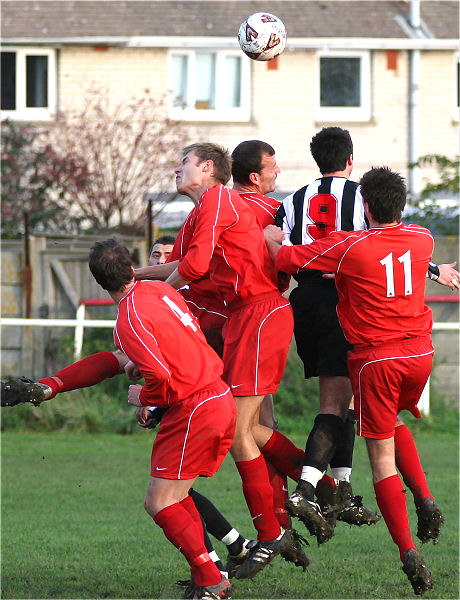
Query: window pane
179, 76
233, 81
205, 81
8, 80
340, 81
36, 81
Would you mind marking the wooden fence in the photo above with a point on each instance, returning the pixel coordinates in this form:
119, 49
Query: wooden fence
53, 279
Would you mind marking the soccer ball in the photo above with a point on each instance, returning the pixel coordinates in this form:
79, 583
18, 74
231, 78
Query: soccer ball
262, 36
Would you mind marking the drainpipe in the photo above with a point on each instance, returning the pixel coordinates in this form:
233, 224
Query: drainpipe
414, 102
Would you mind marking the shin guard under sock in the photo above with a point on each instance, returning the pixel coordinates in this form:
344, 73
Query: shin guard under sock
343, 455
278, 482
284, 455
322, 441
391, 499
183, 532
259, 497
409, 465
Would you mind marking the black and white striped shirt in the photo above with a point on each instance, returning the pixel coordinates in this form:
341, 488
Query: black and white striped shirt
325, 205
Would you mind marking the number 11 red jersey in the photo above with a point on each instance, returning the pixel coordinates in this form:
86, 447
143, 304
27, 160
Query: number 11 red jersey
380, 279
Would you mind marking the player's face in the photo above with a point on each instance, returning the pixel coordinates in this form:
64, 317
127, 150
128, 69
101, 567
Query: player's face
268, 174
189, 174
159, 254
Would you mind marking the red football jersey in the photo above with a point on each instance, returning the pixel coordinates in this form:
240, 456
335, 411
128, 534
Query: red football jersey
228, 241
202, 286
264, 207
156, 330
380, 279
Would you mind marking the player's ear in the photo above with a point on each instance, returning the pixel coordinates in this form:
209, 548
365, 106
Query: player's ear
254, 178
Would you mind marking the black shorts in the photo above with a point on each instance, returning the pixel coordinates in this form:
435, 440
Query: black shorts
321, 345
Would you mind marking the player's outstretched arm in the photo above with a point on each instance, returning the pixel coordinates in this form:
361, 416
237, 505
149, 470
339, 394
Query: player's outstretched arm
449, 276
176, 280
156, 272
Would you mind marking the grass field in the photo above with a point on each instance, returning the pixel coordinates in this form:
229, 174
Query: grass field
73, 526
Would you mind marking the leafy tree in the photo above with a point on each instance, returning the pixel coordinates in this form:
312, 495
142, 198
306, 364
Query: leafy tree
448, 171
90, 169
104, 159
24, 183
426, 210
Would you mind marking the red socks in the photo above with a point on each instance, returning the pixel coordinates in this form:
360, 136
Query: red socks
181, 524
391, 499
408, 464
84, 373
284, 455
278, 482
259, 497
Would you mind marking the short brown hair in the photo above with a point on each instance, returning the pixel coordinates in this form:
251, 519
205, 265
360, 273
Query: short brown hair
384, 191
247, 158
219, 156
111, 264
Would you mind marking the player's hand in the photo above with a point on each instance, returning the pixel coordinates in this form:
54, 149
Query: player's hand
328, 275
131, 371
449, 276
142, 415
149, 418
274, 234
133, 395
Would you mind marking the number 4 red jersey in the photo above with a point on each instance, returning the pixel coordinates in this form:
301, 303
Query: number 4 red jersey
380, 279
156, 330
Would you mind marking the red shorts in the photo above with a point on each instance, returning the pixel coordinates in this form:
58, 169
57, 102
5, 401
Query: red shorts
387, 379
212, 315
195, 435
256, 345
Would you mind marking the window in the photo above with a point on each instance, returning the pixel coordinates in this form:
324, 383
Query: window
209, 86
344, 83
28, 83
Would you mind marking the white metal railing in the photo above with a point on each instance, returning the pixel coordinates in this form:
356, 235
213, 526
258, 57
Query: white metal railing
79, 323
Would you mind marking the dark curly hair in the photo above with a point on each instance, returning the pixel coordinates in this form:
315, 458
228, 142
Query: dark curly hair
384, 191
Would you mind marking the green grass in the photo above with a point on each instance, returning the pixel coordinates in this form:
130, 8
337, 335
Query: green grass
73, 525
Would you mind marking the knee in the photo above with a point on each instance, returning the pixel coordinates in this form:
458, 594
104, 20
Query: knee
151, 505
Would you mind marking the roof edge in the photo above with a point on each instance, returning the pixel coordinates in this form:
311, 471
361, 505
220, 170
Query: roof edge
293, 43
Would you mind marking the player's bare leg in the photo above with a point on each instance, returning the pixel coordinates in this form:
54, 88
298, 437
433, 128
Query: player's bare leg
391, 499
271, 539
168, 502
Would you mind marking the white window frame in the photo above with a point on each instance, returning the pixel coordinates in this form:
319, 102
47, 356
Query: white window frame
221, 112
22, 112
346, 113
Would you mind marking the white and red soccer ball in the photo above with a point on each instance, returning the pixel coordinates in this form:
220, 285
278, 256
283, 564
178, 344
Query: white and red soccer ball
262, 36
